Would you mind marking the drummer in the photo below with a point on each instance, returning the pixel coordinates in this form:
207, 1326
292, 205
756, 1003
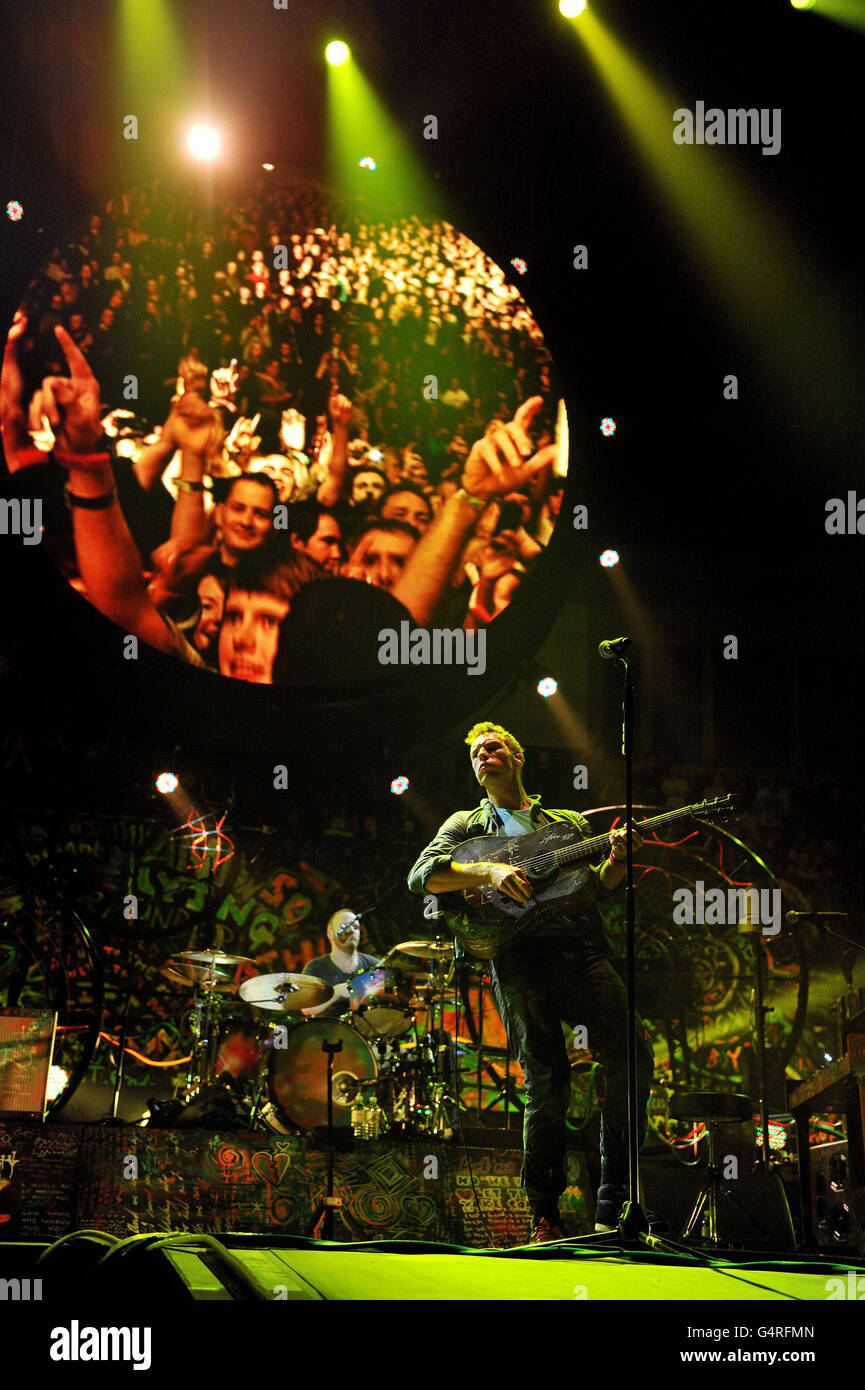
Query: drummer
337, 968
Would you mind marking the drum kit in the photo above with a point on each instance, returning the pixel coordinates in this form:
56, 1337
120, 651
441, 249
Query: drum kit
389, 1052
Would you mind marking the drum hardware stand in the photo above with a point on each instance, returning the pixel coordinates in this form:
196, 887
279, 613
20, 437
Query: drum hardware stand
765, 1163
257, 1109
203, 1065
113, 1118
321, 1225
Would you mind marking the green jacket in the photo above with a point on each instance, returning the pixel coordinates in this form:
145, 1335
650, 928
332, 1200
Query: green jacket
483, 820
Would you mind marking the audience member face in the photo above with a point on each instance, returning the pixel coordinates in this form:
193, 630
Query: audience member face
408, 506
379, 557
249, 635
324, 545
366, 486
211, 596
246, 517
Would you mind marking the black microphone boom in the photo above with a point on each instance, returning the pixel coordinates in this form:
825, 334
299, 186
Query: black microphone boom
795, 916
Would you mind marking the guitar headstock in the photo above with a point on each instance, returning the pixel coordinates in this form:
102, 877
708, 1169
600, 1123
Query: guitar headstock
719, 809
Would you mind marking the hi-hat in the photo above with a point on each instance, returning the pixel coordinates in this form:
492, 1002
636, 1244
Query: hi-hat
426, 950
215, 958
287, 993
183, 972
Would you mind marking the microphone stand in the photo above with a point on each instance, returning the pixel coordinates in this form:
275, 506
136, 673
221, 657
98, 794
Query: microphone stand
633, 1221
321, 1224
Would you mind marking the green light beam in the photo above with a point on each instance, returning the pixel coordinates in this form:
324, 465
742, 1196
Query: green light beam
748, 259
360, 126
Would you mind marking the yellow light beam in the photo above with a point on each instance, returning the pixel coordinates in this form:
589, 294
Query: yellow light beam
774, 295
850, 12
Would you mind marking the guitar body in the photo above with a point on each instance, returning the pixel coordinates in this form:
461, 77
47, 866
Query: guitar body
492, 922
556, 861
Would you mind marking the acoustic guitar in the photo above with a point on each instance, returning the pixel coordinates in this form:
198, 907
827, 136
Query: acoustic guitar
556, 861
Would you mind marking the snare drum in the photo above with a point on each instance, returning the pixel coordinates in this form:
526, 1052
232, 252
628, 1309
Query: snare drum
381, 1003
298, 1074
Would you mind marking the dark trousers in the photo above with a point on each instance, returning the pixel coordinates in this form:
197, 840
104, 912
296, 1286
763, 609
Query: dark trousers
566, 979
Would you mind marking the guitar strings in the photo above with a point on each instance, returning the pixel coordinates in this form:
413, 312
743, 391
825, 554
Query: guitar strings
585, 848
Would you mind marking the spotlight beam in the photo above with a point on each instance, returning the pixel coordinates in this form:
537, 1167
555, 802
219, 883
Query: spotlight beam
744, 253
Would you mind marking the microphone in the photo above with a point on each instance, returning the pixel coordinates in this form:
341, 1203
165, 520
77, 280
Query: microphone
613, 647
349, 926
795, 916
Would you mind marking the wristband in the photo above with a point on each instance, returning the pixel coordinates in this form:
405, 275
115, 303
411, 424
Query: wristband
477, 502
73, 460
90, 504
183, 485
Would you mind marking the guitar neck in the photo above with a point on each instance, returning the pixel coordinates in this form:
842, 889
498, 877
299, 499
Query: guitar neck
587, 849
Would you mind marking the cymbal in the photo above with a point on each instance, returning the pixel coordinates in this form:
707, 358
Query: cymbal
426, 950
181, 972
215, 958
285, 992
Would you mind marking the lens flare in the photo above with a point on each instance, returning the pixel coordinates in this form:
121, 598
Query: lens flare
609, 558
204, 142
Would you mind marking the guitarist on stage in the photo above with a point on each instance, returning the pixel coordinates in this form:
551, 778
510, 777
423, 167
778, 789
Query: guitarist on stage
562, 969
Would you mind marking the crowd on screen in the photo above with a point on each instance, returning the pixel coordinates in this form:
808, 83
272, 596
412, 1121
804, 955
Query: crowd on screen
299, 393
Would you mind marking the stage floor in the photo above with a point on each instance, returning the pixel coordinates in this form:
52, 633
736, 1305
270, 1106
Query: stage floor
340, 1274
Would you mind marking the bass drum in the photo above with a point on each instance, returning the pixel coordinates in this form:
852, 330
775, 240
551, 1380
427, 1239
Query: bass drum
298, 1076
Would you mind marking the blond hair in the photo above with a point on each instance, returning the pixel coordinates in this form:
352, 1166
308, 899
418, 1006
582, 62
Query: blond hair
487, 728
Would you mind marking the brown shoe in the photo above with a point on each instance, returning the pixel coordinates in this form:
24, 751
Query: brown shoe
544, 1232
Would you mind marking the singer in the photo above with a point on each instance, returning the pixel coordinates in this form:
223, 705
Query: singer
337, 968
561, 970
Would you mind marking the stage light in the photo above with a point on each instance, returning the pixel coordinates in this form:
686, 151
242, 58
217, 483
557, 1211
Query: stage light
519, 265
547, 687
399, 785
337, 53
571, 8
609, 558
608, 426
14, 210
802, 4
268, 167
57, 1079
204, 142
367, 162
166, 783
777, 1136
